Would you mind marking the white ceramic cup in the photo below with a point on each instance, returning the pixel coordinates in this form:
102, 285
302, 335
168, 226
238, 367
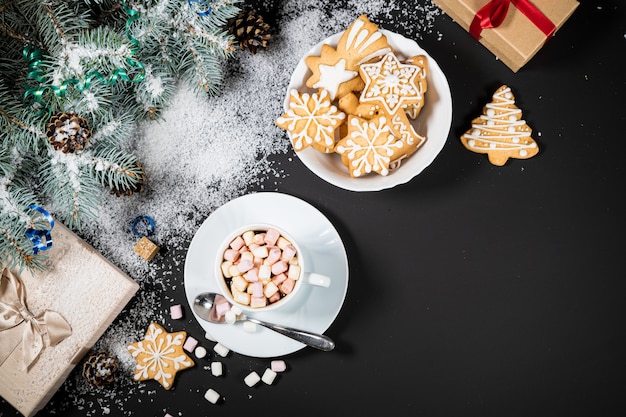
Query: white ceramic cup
305, 277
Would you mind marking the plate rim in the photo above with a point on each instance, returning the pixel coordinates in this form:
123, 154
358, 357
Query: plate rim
191, 286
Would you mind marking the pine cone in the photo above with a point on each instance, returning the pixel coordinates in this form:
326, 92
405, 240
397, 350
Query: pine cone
136, 188
250, 30
68, 132
100, 369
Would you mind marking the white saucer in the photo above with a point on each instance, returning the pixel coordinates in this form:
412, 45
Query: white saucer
317, 308
434, 121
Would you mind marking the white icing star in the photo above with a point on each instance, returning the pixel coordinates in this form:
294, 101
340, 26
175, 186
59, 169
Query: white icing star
333, 75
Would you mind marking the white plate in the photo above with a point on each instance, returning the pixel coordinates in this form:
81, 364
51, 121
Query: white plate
434, 121
324, 251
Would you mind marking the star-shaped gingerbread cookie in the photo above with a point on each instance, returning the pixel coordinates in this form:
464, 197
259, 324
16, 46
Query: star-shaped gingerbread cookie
391, 84
160, 355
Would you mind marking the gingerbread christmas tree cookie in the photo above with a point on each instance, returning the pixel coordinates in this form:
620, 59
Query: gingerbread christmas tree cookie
160, 355
500, 132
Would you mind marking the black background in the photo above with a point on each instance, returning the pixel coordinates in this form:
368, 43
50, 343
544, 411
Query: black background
474, 290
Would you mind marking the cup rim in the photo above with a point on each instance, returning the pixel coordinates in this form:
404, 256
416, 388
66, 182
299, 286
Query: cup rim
221, 280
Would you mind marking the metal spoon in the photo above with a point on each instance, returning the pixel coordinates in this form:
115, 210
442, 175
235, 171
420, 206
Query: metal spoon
204, 306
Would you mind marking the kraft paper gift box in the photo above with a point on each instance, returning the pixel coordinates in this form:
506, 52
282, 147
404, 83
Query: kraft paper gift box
513, 30
81, 287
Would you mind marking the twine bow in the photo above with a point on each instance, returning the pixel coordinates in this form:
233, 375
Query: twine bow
493, 14
19, 325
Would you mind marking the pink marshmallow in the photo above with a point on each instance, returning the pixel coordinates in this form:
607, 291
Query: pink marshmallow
277, 279
287, 286
288, 253
274, 255
176, 312
279, 267
237, 243
190, 344
278, 365
271, 236
257, 289
231, 255
245, 266
252, 275
222, 308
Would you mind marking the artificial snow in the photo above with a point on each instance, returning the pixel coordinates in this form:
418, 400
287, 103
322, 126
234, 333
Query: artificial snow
205, 152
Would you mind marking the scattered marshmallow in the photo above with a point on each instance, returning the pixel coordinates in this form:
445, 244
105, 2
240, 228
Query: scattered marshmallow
221, 350
252, 379
278, 365
249, 327
268, 376
230, 317
190, 344
217, 369
212, 396
208, 336
200, 352
176, 312
168, 415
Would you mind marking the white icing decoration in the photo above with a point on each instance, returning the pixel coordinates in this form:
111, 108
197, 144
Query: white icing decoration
369, 140
323, 116
391, 83
501, 129
333, 75
160, 355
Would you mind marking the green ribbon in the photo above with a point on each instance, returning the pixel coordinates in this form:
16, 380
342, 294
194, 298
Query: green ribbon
33, 56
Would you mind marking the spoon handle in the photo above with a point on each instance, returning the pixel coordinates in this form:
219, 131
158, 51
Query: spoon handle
318, 341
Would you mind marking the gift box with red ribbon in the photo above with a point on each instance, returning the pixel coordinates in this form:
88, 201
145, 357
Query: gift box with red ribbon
513, 30
50, 319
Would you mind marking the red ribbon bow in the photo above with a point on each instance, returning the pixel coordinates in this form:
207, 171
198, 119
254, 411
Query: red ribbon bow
493, 13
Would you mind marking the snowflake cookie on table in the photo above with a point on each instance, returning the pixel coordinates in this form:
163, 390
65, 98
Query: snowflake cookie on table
160, 355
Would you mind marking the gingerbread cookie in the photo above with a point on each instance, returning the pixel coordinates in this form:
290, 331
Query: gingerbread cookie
160, 356
311, 120
402, 129
391, 84
413, 110
337, 69
500, 131
368, 146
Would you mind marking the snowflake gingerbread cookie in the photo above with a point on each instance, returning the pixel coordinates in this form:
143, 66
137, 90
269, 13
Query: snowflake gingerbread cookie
369, 146
311, 120
500, 132
160, 355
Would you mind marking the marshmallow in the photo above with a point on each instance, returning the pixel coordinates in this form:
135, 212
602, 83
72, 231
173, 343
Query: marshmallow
221, 350
279, 267
190, 344
208, 336
217, 369
249, 327
252, 379
268, 376
278, 365
212, 396
237, 243
200, 352
176, 312
271, 236
230, 317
